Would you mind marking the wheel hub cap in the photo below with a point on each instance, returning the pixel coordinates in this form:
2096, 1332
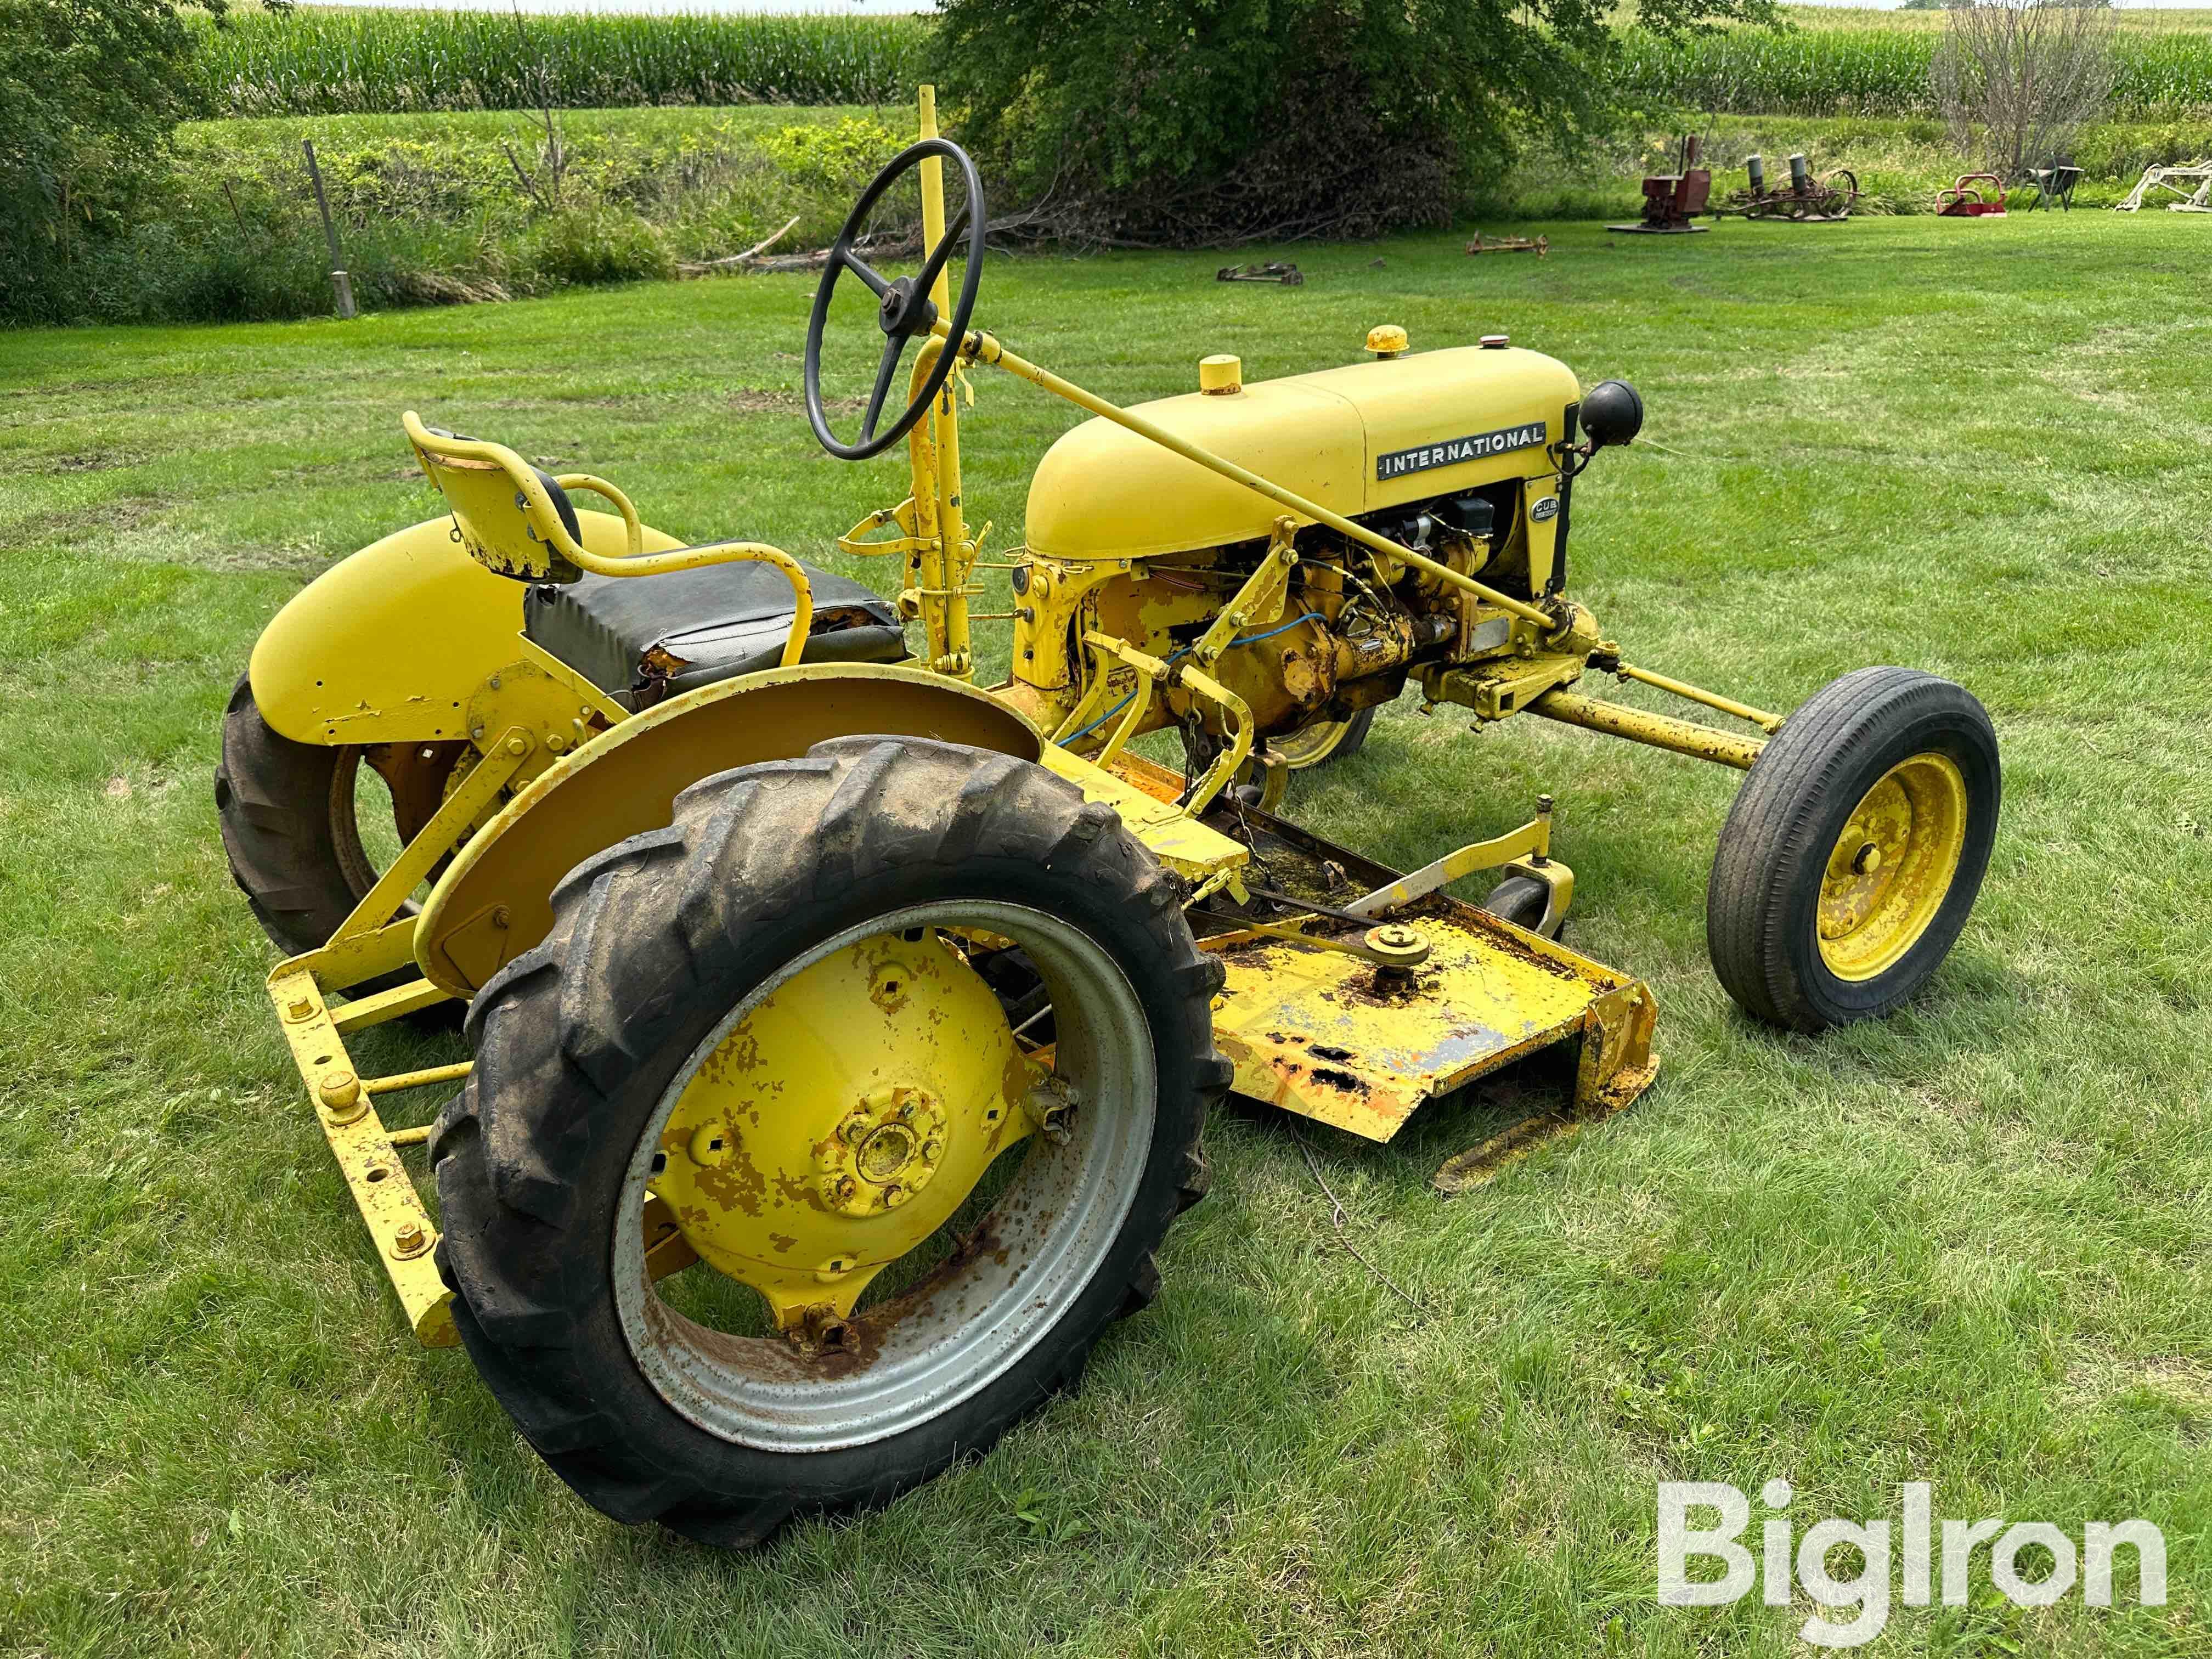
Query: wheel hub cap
884, 1152
1891, 867
843, 1121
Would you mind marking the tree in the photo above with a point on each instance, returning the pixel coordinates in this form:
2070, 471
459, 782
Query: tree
2017, 79
1201, 121
90, 93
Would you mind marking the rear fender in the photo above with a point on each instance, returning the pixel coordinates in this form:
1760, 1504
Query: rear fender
388, 645
495, 900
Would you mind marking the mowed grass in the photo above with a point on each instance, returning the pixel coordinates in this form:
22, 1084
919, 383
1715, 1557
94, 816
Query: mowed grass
1967, 1245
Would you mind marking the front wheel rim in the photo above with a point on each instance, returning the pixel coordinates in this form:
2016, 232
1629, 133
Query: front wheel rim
975, 1317
1311, 743
1889, 872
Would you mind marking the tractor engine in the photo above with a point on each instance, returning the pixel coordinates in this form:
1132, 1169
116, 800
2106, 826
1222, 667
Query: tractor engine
1452, 454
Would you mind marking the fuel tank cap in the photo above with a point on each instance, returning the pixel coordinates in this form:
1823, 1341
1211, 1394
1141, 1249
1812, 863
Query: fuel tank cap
1496, 341
1386, 339
1220, 374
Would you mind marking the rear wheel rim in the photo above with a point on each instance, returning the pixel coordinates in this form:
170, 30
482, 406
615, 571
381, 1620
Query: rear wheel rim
973, 1319
1889, 872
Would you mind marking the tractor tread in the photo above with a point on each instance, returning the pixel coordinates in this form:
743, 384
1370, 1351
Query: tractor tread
651, 937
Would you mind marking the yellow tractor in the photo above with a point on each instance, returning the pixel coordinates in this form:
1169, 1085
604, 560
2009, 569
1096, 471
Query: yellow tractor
842, 1032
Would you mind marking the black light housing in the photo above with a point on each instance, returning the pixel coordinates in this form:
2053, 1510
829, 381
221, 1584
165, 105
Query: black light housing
1613, 413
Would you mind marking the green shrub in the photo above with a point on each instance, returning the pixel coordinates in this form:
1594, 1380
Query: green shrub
839, 159
600, 244
430, 212
89, 93
1154, 121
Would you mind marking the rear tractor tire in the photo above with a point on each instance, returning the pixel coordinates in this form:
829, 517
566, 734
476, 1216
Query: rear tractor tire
1855, 850
784, 1022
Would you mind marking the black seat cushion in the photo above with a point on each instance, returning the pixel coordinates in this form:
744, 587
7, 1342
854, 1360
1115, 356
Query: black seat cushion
641, 639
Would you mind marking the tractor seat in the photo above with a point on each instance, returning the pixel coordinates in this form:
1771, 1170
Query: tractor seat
641, 639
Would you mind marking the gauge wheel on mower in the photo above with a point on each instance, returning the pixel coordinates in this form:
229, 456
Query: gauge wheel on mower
1855, 849
782, 1022
1320, 740
298, 825
1523, 901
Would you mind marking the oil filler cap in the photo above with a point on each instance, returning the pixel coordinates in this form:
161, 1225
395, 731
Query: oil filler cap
1496, 341
1220, 374
1386, 339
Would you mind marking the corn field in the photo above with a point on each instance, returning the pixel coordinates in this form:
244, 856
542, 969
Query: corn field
1872, 71
315, 62
319, 63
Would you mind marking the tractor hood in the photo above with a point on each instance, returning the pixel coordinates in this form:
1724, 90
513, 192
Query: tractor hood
1355, 440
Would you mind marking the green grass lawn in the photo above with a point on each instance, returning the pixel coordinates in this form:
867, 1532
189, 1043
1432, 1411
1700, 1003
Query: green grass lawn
1967, 1245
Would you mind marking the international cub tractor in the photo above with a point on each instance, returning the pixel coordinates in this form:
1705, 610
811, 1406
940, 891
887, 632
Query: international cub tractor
842, 1030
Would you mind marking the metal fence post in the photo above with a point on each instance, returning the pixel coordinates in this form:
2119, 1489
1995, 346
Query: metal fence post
339, 281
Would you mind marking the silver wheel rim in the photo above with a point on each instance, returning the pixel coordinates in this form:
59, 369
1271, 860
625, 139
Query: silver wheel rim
1055, 1222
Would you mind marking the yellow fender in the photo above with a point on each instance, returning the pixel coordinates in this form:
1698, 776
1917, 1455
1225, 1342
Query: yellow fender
388, 645
495, 900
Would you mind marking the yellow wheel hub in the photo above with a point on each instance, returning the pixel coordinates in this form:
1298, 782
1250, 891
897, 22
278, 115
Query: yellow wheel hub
1310, 744
1888, 871
843, 1121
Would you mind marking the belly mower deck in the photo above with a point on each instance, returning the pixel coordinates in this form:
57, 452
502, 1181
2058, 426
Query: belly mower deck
1362, 1047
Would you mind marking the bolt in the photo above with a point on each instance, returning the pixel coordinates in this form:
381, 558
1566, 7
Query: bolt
500, 916
339, 1091
1868, 861
408, 1239
932, 1150
845, 1188
555, 742
518, 745
894, 1195
299, 1008
1397, 938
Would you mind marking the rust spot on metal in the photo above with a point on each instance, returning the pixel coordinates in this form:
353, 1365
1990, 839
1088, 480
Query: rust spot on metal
1343, 1082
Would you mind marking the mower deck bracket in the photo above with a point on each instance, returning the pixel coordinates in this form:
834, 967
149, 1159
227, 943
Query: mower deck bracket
1532, 838
397, 1003
1194, 851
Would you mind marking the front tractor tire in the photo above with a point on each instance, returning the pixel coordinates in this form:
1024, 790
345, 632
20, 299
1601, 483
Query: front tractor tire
782, 1023
1855, 850
1320, 741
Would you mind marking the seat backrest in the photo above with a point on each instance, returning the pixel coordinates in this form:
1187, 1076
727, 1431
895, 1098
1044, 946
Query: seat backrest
1693, 192
512, 518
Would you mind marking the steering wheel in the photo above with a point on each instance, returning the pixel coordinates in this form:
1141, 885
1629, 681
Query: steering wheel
903, 307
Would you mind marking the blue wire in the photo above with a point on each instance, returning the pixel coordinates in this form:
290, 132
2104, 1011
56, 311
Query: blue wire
1184, 651
1255, 639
